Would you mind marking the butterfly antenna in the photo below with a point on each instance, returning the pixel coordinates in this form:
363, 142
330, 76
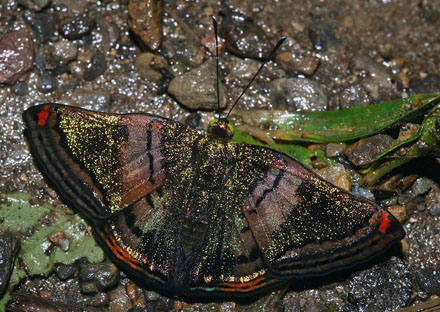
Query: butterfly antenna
279, 43
214, 22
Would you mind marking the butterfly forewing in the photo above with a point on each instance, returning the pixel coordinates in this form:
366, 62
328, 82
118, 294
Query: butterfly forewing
194, 214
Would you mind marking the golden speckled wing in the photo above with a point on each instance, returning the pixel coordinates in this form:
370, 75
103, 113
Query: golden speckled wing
194, 214
306, 226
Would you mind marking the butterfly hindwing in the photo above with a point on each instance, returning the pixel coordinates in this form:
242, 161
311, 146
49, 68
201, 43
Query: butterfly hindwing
306, 226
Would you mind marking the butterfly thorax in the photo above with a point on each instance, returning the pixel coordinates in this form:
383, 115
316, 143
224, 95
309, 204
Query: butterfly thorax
221, 128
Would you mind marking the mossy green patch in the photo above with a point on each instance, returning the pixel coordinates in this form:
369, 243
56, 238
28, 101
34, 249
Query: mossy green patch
38, 254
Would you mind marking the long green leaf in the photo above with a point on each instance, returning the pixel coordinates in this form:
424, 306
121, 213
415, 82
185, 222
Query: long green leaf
341, 125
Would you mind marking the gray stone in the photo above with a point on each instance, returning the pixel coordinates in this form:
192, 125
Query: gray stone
354, 96
76, 27
245, 38
322, 36
44, 24
335, 149
20, 88
98, 99
95, 278
197, 89
35, 5
46, 83
63, 51
364, 151
64, 271
429, 281
421, 186
379, 81
97, 67
389, 283
432, 200
186, 52
298, 94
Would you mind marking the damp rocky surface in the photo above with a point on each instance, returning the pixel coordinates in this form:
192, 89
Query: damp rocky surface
338, 54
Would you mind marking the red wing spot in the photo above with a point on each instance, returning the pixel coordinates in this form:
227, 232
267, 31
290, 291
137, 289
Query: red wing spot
43, 115
384, 222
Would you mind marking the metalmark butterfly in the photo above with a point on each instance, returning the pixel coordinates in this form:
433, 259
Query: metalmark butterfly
196, 214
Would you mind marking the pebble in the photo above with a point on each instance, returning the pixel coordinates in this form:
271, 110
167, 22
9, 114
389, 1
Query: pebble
100, 300
428, 280
145, 19
298, 94
20, 88
60, 239
193, 120
389, 283
44, 24
63, 51
145, 63
209, 42
73, 6
243, 68
9, 246
335, 149
76, 27
304, 64
412, 203
421, 186
119, 300
244, 38
322, 36
362, 192
16, 57
426, 85
364, 151
354, 96
399, 212
337, 175
178, 50
197, 89
63, 271
34, 5
95, 278
404, 79
110, 33
432, 200
97, 67
98, 99
46, 83
379, 80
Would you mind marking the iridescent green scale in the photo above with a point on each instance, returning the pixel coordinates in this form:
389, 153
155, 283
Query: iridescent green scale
194, 214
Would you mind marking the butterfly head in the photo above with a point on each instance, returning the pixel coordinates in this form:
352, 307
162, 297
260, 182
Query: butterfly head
221, 128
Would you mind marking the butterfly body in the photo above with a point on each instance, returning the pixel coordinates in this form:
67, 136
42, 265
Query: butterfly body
191, 213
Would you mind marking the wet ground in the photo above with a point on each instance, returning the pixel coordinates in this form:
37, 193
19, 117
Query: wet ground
338, 54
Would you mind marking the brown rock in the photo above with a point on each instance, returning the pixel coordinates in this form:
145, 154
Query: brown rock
364, 151
146, 21
399, 212
16, 56
337, 175
306, 64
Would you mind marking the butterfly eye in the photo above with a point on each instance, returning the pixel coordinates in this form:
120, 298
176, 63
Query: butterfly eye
213, 122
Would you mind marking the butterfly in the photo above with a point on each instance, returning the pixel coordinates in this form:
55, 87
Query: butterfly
195, 214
